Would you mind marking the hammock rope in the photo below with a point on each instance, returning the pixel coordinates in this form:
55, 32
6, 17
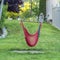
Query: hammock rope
31, 39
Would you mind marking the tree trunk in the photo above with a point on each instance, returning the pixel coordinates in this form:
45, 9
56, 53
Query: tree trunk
42, 6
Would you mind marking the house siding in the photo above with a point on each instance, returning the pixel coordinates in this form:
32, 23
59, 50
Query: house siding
49, 5
53, 10
56, 17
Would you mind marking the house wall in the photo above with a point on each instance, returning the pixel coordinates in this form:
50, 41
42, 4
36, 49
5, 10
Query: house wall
53, 10
48, 9
56, 17
49, 5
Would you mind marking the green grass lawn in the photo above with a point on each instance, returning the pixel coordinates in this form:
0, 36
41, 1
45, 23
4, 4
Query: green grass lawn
49, 42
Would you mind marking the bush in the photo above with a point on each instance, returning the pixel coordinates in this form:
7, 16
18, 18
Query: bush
35, 8
3, 16
27, 12
12, 15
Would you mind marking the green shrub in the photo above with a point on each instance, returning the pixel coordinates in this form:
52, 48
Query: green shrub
28, 10
42, 6
3, 16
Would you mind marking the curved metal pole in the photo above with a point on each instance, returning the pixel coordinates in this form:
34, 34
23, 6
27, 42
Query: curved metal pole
1, 7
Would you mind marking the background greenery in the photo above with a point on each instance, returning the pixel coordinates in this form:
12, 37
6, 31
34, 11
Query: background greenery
3, 16
42, 6
37, 7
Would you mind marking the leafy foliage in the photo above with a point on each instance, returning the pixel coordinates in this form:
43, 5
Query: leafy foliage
25, 11
3, 16
42, 6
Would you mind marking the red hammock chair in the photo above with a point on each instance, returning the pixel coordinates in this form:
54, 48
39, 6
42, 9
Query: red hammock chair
31, 39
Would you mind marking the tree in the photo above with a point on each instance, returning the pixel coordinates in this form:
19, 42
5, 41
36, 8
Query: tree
42, 6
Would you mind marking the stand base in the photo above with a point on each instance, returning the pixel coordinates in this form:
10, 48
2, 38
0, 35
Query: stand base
28, 51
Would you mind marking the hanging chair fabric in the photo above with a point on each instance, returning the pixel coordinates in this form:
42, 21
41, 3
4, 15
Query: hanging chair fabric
31, 39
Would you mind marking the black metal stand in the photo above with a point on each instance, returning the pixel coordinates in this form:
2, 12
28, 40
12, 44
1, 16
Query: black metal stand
30, 51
